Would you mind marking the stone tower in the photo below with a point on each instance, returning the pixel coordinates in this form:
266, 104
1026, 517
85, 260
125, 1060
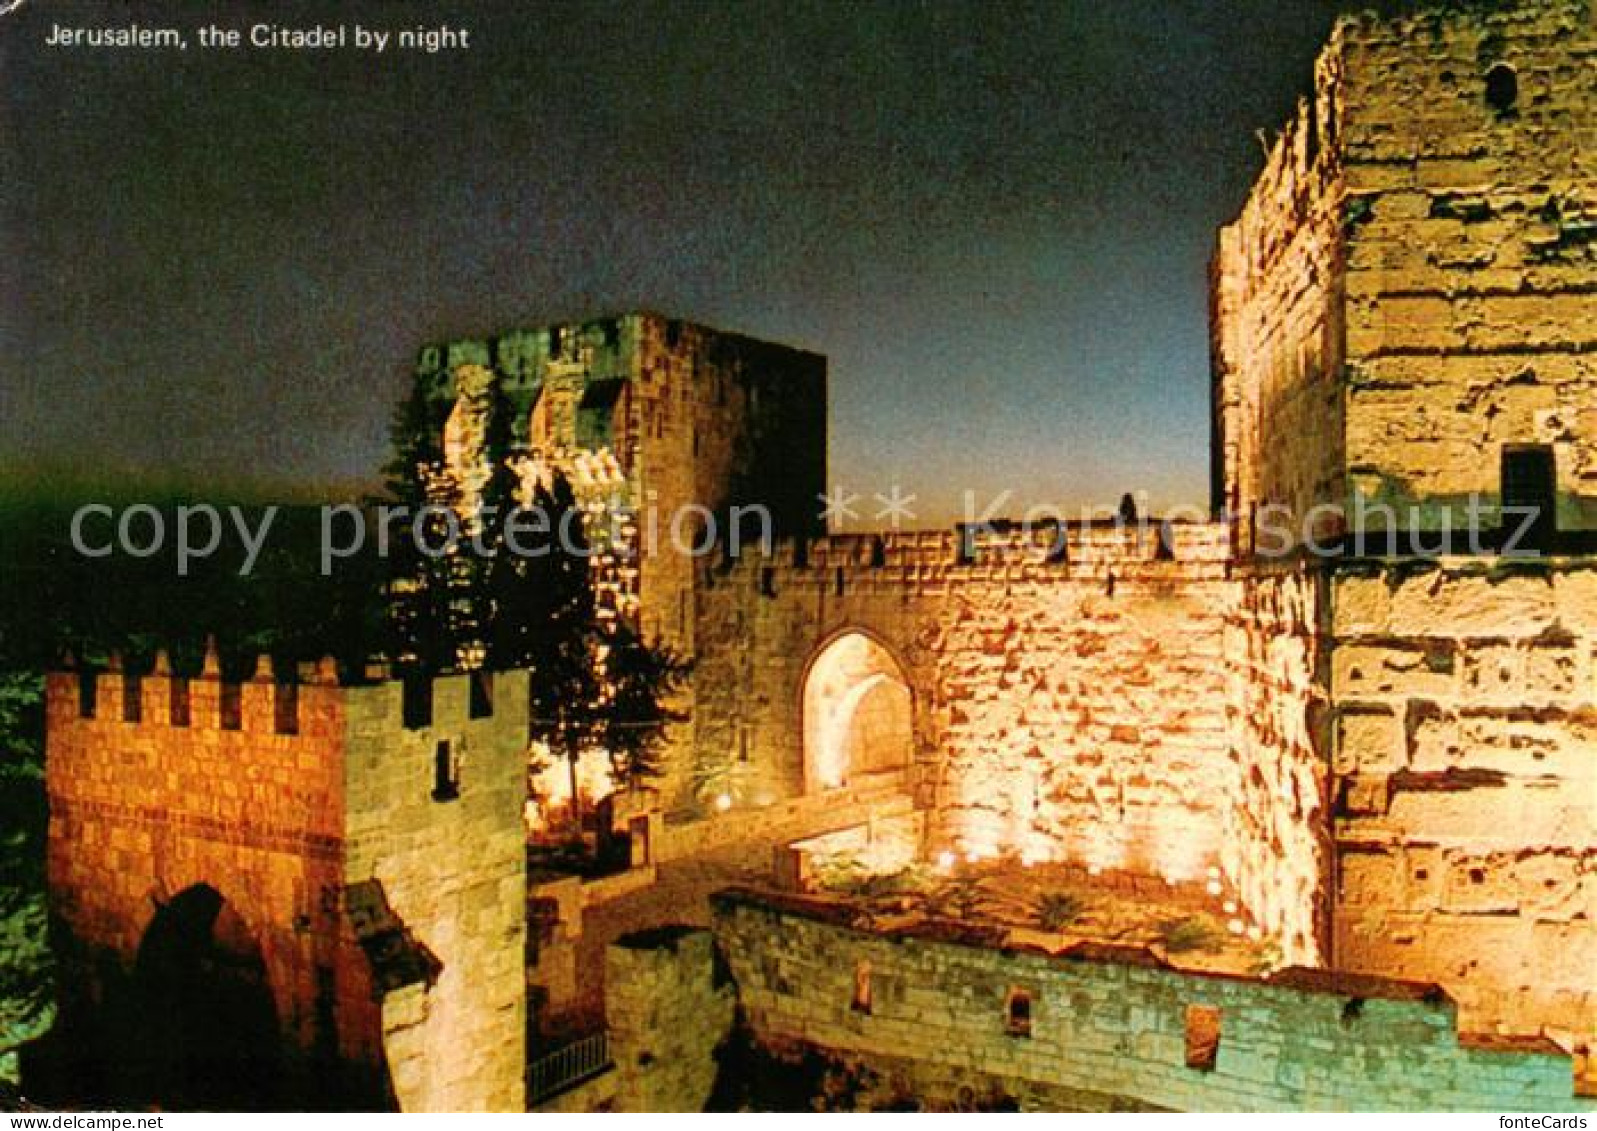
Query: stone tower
1405, 315
1403, 311
289, 891
704, 437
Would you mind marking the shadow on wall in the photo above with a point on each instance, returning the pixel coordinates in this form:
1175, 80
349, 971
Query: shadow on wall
203, 1030
191, 1025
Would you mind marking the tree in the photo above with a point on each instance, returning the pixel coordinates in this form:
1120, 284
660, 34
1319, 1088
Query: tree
562, 648
27, 967
516, 602
420, 584
640, 680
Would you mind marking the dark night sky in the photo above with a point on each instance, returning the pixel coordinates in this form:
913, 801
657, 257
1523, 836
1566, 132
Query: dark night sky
993, 218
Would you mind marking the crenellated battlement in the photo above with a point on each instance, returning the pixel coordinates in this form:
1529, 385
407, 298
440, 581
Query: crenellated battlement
309, 703
448, 703
1152, 550
304, 704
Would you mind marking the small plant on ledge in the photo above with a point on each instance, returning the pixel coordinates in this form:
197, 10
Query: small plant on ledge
1058, 910
1194, 933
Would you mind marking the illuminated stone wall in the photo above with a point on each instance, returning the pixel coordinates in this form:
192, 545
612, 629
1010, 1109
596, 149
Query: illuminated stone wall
1106, 1029
688, 423
858, 713
1409, 288
1471, 262
142, 810
1127, 707
452, 865
1275, 844
1068, 709
1466, 786
1278, 340
679, 422
389, 914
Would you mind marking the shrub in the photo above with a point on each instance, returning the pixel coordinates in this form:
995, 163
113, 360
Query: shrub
1057, 910
1196, 932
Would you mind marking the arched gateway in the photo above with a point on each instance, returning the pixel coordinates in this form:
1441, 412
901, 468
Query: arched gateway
205, 1028
858, 713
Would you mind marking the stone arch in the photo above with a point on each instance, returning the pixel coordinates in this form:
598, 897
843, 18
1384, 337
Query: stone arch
858, 711
204, 1026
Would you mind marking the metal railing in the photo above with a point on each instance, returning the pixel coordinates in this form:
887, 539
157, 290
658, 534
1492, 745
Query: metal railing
566, 1067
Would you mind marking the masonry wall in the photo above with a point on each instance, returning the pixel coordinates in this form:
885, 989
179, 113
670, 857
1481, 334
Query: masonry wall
725, 421
1107, 1032
1278, 334
453, 869
141, 811
1466, 786
668, 1010
150, 809
1071, 708
1408, 289
1275, 845
1471, 278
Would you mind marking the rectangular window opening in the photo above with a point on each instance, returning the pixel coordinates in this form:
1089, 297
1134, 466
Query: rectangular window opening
1203, 1037
132, 699
482, 694
88, 691
1017, 1012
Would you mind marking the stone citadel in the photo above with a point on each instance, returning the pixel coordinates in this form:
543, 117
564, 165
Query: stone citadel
1377, 766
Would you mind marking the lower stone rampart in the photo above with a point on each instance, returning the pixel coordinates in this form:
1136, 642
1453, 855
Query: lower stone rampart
1112, 1027
668, 1012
